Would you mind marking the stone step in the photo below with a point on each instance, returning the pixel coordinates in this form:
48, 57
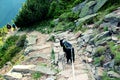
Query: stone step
23, 68
13, 76
79, 77
44, 70
35, 48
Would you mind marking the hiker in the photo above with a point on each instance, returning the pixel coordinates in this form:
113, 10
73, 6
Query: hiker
68, 49
14, 27
8, 27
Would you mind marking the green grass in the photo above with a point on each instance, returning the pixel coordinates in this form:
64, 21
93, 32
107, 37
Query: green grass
10, 48
52, 55
105, 77
36, 75
115, 49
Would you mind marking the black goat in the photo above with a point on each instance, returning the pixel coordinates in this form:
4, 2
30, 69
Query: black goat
68, 49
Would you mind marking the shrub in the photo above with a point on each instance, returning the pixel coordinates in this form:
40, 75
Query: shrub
10, 49
68, 16
32, 11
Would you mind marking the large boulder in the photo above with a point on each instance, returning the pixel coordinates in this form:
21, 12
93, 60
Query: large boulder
79, 7
81, 20
100, 36
113, 74
86, 10
103, 41
113, 17
99, 4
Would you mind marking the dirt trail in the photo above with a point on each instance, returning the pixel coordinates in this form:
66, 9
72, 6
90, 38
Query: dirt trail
82, 70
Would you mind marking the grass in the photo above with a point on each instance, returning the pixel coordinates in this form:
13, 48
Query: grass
106, 77
10, 48
52, 55
99, 51
36, 75
115, 49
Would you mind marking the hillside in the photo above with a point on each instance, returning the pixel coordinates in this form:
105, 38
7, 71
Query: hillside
91, 26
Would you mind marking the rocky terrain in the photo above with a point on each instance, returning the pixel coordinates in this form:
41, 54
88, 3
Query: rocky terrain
97, 49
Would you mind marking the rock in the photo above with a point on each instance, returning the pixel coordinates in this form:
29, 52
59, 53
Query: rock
56, 21
13, 76
99, 4
81, 20
109, 64
51, 78
87, 9
103, 41
87, 37
79, 7
113, 17
31, 40
23, 68
113, 74
61, 60
35, 48
80, 77
114, 38
81, 42
78, 34
88, 32
44, 70
36, 55
89, 48
100, 36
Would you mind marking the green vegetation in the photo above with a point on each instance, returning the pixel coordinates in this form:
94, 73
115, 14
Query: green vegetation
10, 48
100, 51
96, 60
52, 55
105, 77
105, 28
36, 75
52, 38
3, 32
115, 49
32, 11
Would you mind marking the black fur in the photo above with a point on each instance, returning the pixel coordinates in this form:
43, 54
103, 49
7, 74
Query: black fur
68, 49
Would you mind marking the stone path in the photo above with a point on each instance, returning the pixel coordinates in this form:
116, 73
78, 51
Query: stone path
38, 51
82, 70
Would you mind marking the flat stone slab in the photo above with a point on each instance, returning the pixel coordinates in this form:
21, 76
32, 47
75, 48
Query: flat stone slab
79, 77
36, 55
23, 68
13, 76
44, 70
34, 48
